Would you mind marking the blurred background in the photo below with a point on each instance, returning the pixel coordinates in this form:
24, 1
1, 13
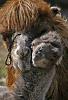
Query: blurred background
3, 52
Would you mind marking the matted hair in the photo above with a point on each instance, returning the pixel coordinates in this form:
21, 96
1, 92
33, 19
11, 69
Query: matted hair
16, 15
19, 15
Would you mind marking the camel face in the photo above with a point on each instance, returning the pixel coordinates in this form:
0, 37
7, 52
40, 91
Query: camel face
46, 50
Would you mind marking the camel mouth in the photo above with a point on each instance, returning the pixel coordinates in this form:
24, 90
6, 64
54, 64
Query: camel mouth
40, 63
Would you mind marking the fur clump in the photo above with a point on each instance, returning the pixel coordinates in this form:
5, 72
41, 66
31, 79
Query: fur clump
61, 26
46, 50
16, 15
19, 15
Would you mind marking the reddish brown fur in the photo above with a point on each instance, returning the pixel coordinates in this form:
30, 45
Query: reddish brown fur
14, 16
9, 17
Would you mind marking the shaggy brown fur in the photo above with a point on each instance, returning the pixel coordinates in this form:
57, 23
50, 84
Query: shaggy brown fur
17, 15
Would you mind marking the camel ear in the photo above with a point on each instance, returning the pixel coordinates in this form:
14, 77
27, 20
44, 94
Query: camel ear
56, 11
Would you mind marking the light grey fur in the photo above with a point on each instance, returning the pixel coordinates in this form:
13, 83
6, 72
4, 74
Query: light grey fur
21, 53
46, 50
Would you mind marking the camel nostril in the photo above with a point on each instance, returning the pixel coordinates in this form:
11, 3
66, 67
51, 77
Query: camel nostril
39, 52
17, 52
26, 51
23, 52
55, 52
